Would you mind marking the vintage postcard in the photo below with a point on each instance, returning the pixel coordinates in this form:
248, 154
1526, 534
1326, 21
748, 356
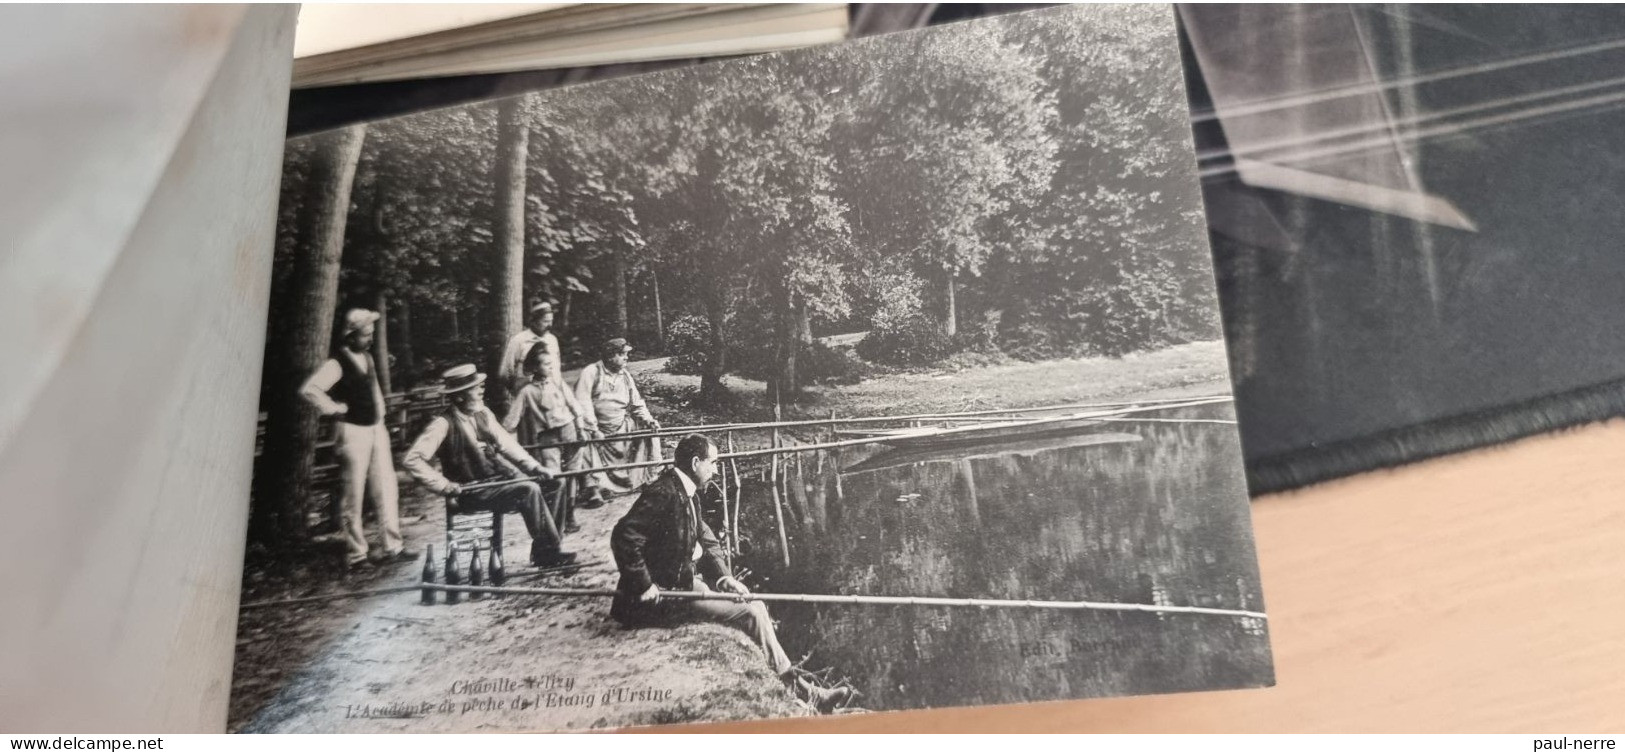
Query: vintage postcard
873, 376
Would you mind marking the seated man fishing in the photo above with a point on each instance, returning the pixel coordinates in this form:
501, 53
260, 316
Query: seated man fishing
473, 449
662, 544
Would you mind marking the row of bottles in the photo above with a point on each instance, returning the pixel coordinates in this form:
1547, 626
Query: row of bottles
454, 574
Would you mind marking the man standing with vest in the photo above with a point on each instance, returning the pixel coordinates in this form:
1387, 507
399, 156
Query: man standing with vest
472, 447
346, 388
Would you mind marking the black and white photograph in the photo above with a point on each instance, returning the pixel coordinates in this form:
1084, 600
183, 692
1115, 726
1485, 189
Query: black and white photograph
873, 376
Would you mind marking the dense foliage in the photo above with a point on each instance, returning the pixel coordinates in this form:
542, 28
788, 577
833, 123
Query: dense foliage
1019, 186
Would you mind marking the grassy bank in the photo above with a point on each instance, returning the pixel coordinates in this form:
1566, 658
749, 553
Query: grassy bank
1194, 369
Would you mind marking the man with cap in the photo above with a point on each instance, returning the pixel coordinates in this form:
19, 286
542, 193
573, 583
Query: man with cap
511, 371
471, 447
346, 388
617, 407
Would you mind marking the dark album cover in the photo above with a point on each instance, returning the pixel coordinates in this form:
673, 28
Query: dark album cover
865, 377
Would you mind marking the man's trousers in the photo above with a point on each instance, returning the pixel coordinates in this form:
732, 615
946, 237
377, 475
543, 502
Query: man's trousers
567, 459
368, 471
525, 498
750, 617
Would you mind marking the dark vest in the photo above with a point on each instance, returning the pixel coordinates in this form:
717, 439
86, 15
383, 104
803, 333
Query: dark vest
356, 389
465, 460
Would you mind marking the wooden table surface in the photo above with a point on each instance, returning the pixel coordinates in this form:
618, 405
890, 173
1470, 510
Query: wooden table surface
1481, 592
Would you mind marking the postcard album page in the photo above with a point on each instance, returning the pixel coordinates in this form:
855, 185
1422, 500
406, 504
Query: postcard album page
864, 377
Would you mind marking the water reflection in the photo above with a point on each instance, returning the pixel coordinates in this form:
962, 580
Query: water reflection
1161, 520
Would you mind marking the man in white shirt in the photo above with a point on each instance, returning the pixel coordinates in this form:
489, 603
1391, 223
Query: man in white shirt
472, 447
346, 388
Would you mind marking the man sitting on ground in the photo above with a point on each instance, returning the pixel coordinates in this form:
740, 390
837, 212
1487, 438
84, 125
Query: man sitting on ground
663, 544
472, 448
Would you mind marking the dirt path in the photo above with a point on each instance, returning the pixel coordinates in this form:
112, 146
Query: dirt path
503, 665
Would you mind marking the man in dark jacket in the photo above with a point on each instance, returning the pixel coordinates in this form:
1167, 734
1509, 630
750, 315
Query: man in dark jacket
663, 544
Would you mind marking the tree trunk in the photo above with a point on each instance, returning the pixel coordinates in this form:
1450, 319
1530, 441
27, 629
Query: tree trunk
660, 322
716, 365
508, 177
792, 320
800, 344
950, 314
781, 385
409, 365
380, 343
622, 278
803, 326
291, 426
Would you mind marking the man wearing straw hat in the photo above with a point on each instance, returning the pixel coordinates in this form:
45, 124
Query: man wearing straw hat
663, 544
472, 448
346, 388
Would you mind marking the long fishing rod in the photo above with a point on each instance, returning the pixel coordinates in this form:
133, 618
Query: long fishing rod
636, 435
730, 428
568, 568
931, 432
1100, 415
664, 462
1165, 403
328, 597
866, 600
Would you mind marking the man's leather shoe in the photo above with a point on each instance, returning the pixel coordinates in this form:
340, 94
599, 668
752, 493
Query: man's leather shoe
592, 499
405, 554
554, 559
825, 699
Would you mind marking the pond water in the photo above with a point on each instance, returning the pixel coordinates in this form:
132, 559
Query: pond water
1157, 517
